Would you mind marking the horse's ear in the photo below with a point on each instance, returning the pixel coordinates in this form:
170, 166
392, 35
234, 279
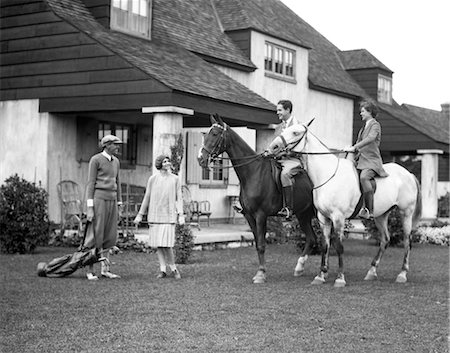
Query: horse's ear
212, 118
219, 120
310, 122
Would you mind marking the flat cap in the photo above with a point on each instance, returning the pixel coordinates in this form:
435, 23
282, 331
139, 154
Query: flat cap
109, 139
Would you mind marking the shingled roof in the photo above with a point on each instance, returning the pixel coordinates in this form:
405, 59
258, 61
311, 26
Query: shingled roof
426, 121
431, 122
194, 25
361, 59
325, 69
167, 62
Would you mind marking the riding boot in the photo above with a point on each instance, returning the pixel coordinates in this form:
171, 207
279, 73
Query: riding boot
367, 211
288, 202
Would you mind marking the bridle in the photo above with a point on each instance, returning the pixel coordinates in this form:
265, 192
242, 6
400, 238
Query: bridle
221, 145
297, 154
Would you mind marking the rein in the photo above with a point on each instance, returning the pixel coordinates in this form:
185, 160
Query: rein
298, 154
221, 144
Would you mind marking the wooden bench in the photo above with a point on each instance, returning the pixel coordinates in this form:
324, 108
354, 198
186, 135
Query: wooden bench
132, 196
200, 209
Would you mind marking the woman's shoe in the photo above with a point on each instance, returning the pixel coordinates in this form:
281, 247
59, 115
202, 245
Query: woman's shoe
162, 274
110, 275
91, 276
176, 274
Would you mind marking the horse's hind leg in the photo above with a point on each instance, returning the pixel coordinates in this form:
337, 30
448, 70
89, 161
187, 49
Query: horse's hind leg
407, 227
305, 225
382, 224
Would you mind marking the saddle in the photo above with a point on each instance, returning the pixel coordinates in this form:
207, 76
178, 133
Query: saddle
276, 173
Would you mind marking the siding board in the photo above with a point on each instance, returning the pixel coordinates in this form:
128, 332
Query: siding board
73, 78
92, 90
36, 30
30, 19
55, 54
47, 42
61, 66
23, 9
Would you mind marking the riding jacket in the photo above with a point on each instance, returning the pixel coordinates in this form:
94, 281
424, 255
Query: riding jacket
367, 144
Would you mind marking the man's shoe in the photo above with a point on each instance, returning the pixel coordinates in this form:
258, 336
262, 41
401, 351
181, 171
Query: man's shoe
162, 274
176, 274
238, 208
364, 213
91, 276
110, 275
285, 212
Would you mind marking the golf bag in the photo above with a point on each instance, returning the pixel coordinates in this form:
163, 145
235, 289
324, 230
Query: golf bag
68, 264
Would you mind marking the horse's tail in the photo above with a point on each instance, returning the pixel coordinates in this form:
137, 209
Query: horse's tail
418, 210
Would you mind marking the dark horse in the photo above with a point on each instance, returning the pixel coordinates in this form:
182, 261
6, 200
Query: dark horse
260, 196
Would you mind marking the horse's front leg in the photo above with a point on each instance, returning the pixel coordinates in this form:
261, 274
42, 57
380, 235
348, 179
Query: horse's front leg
306, 226
259, 227
338, 224
326, 230
381, 223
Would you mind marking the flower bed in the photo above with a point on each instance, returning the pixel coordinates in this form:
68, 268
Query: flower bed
433, 235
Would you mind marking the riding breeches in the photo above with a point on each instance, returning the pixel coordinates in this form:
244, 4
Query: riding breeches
290, 167
366, 176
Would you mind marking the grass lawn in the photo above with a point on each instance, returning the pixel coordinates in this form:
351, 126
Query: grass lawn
217, 308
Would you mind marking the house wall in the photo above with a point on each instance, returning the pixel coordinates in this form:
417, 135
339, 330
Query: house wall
333, 114
24, 141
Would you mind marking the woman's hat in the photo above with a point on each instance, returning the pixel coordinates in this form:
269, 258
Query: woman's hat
159, 161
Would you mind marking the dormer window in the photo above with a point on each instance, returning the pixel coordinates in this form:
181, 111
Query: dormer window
384, 89
132, 16
278, 61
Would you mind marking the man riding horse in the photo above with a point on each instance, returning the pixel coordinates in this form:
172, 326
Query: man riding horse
290, 166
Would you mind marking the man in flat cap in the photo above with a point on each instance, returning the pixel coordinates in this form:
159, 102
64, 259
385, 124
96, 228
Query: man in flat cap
104, 197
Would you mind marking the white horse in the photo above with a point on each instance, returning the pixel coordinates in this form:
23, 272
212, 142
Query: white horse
336, 194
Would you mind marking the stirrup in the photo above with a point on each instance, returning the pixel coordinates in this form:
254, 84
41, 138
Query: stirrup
285, 212
365, 214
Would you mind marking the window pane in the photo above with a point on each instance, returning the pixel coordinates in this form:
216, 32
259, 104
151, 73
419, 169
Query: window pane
278, 60
143, 8
205, 173
268, 57
135, 6
218, 172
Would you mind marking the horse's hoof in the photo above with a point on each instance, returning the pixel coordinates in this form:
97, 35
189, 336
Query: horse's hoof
318, 280
259, 280
401, 278
298, 273
339, 283
370, 277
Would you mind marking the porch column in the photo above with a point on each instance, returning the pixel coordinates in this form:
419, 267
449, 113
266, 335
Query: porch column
167, 125
429, 182
264, 136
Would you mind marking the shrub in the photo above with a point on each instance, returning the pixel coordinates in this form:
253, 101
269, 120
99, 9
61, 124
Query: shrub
433, 235
290, 231
184, 243
24, 220
394, 227
444, 206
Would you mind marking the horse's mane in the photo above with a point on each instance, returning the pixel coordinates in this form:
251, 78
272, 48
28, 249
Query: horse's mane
245, 148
